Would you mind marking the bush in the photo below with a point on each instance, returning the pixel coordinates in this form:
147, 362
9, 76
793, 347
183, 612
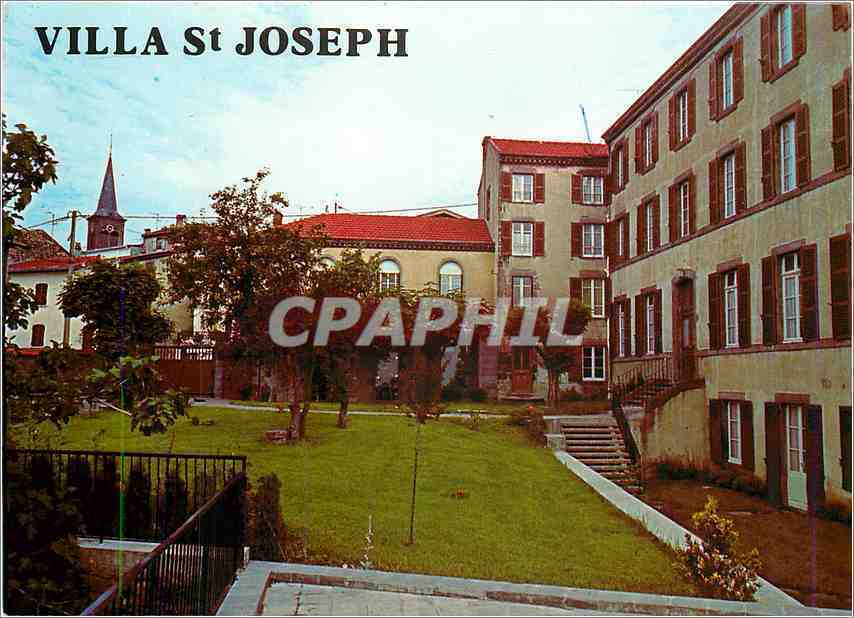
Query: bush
452, 392
102, 510
173, 503
836, 510
478, 395
245, 392
537, 428
518, 418
269, 537
712, 565
137, 504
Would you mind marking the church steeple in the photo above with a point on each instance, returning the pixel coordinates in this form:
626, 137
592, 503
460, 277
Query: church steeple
106, 225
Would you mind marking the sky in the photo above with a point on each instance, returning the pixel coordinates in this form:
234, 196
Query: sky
373, 133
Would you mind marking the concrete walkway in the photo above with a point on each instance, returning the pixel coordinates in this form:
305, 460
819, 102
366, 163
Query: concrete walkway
311, 600
226, 403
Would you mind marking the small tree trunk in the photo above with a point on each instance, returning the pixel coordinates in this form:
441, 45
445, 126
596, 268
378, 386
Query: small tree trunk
342, 413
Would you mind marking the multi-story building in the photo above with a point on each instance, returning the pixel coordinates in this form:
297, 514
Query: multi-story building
546, 203
729, 244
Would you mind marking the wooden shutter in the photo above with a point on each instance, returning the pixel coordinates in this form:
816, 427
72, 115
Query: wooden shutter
539, 238
613, 336
640, 324
845, 442
716, 445
575, 239
656, 222
672, 128
840, 286
624, 152
692, 204
41, 294
840, 17
715, 311
506, 187
539, 188
765, 47
809, 294
692, 107
657, 321
802, 145
627, 331
841, 121
740, 177
768, 184
608, 297
506, 238
773, 453
814, 458
713, 89
799, 29
576, 182
641, 230
37, 340
639, 148
769, 300
743, 284
575, 288
747, 446
625, 239
654, 131
738, 70
673, 212
714, 192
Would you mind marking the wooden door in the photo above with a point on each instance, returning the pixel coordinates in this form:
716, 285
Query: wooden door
814, 457
522, 377
796, 471
684, 330
773, 454
845, 443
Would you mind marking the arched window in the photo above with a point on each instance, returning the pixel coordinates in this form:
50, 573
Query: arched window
450, 278
389, 275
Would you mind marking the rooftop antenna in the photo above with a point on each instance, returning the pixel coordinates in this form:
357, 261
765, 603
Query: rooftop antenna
584, 118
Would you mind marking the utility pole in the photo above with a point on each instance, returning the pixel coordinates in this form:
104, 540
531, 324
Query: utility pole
72, 242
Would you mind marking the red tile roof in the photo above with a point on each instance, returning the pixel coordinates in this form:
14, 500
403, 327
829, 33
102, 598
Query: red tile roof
33, 245
57, 264
531, 148
388, 230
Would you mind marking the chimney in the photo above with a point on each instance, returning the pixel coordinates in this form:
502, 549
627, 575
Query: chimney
180, 219
147, 230
277, 218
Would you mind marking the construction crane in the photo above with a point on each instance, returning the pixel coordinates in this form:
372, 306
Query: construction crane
584, 118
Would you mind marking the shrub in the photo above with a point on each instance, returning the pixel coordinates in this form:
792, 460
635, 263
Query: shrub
102, 510
836, 510
452, 392
245, 392
537, 428
137, 503
265, 392
269, 537
478, 395
712, 565
173, 503
518, 418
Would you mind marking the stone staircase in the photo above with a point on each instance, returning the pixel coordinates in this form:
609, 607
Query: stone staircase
597, 442
648, 391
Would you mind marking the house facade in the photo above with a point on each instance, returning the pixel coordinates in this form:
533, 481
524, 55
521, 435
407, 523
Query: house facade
729, 245
546, 205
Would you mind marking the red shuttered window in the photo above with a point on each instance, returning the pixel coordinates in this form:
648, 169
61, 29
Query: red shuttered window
840, 286
841, 17
726, 79
646, 143
841, 122
783, 39
682, 115
786, 160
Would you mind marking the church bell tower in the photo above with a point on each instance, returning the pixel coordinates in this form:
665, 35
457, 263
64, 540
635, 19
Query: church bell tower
106, 226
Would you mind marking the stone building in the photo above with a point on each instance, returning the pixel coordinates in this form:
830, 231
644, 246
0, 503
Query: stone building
729, 244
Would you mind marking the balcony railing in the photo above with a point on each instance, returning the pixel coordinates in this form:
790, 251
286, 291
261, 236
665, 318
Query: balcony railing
190, 572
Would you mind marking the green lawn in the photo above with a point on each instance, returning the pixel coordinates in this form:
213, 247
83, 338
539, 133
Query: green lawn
526, 518
483, 407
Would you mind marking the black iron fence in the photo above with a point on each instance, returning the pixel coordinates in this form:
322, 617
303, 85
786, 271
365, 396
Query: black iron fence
190, 572
132, 495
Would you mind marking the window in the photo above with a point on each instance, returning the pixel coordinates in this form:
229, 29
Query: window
784, 35
621, 179
647, 145
682, 107
621, 330
731, 309
650, 220
787, 155
161, 244
450, 278
389, 275
727, 93
650, 324
523, 238
795, 443
729, 185
684, 209
523, 288
790, 284
523, 187
593, 188
594, 240
41, 294
593, 295
37, 340
621, 235
594, 363
734, 431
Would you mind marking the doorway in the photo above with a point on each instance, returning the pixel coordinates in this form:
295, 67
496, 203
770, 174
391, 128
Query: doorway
684, 330
796, 474
522, 377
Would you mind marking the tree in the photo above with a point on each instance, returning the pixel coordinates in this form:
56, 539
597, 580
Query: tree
116, 304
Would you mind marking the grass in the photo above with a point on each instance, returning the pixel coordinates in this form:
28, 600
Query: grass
810, 558
525, 518
483, 407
